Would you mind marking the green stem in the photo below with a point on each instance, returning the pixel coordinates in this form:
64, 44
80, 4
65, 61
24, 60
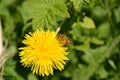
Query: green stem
59, 27
108, 17
1, 42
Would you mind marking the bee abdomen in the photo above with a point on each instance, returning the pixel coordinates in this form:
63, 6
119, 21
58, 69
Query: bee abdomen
69, 42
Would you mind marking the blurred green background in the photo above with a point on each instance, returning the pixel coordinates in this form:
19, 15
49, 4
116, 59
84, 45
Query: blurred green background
92, 25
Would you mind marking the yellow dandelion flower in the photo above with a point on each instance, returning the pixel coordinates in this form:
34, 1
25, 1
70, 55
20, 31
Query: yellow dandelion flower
43, 52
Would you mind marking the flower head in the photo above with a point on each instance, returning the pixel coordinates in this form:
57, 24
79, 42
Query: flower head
43, 52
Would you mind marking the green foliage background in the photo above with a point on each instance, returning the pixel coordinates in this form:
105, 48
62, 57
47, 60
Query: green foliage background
95, 54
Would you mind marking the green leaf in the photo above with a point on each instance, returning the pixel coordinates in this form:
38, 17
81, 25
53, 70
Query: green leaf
102, 72
77, 4
87, 23
76, 31
25, 11
112, 64
96, 41
104, 30
117, 15
45, 11
32, 77
10, 72
82, 47
6, 2
76, 74
95, 59
72, 56
42, 18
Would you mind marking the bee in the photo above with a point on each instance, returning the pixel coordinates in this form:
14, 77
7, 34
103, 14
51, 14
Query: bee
63, 39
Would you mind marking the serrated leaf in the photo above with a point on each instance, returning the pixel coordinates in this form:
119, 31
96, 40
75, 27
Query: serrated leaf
87, 23
77, 4
60, 9
45, 12
42, 19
